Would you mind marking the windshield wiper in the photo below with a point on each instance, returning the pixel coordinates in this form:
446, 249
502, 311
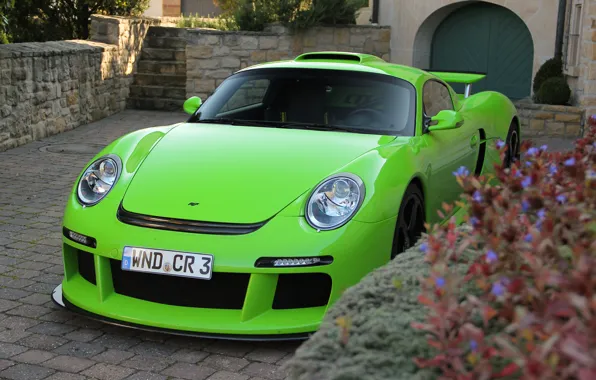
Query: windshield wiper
320, 127
253, 123
218, 121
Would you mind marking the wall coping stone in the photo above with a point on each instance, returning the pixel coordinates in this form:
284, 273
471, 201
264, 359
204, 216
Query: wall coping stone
548, 107
52, 48
125, 19
229, 32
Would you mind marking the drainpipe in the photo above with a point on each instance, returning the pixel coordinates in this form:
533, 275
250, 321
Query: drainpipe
375, 12
560, 28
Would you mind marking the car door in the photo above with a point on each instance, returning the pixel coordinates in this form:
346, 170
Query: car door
445, 151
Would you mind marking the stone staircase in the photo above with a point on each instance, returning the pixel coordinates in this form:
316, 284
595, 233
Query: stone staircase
160, 80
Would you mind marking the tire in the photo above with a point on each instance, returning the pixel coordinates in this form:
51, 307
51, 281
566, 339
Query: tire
513, 142
410, 221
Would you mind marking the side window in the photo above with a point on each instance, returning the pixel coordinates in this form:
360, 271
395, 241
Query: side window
251, 92
436, 98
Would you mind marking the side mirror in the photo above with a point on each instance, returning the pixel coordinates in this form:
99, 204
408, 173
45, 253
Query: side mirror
445, 119
191, 105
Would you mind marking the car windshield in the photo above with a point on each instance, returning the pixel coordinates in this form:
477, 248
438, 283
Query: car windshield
342, 100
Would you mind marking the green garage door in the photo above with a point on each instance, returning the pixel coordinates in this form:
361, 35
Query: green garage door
490, 39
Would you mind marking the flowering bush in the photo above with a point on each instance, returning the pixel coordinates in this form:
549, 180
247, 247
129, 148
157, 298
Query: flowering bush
526, 305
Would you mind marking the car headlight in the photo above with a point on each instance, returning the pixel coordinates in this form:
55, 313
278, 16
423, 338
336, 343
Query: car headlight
333, 203
98, 179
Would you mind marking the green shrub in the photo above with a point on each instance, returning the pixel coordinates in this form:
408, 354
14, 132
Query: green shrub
300, 14
5, 8
533, 314
549, 69
42, 20
254, 15
196, 21
554, 91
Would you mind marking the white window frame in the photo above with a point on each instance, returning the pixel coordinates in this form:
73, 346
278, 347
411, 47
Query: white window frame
574, 38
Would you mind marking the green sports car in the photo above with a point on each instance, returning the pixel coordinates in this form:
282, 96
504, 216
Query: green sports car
291, 182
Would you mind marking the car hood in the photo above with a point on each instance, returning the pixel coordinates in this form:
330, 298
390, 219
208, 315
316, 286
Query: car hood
234, 174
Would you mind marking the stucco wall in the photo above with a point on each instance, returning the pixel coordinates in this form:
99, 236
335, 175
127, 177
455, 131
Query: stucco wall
413, 23
155, 9
582, 78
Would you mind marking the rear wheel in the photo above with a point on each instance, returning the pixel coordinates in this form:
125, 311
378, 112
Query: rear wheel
513, 142
410, 221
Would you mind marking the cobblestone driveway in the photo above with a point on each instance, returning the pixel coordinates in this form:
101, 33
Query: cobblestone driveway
40, 341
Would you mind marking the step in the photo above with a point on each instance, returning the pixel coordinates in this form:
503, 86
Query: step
157, 104
158, 92
166, 31
167, 80
160, 54
161, 67
165, 42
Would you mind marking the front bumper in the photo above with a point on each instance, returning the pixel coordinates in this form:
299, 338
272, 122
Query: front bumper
241, 301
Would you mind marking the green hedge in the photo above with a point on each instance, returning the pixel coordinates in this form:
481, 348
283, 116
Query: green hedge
375, 316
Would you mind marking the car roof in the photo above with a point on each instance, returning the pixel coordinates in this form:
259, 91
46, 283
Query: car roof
334, 60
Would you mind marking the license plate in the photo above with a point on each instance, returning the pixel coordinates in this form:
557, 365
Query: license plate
173, 263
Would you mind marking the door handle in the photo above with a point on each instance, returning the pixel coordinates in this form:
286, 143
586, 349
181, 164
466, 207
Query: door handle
474, 141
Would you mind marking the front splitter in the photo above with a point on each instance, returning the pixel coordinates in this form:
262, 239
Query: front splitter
60, 300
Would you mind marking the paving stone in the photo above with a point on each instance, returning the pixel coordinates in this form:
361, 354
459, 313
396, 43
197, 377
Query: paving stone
80, 349
148, 363
26, 372
189, 356
113, 356
265, 370
30, 311
33, 357
35, 299
189, 371
52, 328
5, 364
11, 336
154, 349
8, 350
65, 376
37, 338
230, 348
68, 364
105, 371
147, 376
18, 323
7, 305
225, 375
227, 363
117, 342
266, 355
43, 342
83, 335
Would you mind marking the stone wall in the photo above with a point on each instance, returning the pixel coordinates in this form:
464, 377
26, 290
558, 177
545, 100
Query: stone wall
546, 120
211, 56
47, 88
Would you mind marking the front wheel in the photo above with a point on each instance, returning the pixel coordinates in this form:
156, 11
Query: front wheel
410, 221
513, 142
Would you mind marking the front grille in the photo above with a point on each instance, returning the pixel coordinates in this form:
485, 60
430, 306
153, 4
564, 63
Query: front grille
301, 290
223, 291
86, 266
183, 225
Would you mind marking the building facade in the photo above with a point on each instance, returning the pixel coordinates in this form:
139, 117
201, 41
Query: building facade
506, 39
